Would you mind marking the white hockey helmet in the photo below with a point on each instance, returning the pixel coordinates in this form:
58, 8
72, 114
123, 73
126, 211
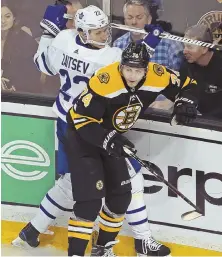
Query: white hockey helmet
91, 18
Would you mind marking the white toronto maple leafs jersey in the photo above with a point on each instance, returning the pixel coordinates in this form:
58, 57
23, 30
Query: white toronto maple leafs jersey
75, 63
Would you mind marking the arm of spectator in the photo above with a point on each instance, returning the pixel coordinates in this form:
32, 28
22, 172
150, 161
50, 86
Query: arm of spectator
5, 84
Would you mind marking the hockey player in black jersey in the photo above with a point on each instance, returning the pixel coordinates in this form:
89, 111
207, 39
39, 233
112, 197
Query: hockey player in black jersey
109, 106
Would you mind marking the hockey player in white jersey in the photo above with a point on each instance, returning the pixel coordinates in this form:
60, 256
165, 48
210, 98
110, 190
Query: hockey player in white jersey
75, 56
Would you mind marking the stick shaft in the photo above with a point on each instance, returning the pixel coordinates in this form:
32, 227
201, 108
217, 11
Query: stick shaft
170, 37
152, 170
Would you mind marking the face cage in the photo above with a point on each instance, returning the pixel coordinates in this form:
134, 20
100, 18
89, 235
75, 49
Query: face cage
89, 41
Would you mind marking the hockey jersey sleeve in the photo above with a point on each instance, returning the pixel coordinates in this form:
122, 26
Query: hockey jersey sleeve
51, 51
44, 58
180, 84
87, 115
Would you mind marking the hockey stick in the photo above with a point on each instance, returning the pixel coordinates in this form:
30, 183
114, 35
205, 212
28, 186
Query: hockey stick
151, 167
169, 36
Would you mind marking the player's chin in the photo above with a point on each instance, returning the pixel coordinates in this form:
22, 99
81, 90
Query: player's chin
132, 85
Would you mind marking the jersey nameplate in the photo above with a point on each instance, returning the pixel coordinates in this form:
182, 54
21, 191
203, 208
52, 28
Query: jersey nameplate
74, 64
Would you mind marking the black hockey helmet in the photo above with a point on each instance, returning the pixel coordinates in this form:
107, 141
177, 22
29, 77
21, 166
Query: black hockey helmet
135, 55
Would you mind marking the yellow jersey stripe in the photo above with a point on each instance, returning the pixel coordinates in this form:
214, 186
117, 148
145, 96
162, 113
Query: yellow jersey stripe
78, 126
151, 88
81, 223
110, 224
75, 115
105, 217
109, 229
187, 81
117, 93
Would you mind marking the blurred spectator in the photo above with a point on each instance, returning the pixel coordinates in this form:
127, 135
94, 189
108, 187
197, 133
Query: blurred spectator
205, 66
18, 47
20, 42
216, 29
137, 13
31, 13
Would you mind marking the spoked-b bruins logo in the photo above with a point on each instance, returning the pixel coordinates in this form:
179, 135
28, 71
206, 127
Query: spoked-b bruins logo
125, 117
213, 21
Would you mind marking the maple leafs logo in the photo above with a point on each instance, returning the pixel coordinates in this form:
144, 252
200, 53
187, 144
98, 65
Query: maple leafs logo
81, 15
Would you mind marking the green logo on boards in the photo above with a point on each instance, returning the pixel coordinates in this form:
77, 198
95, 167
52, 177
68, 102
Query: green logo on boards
28, 159
11, 155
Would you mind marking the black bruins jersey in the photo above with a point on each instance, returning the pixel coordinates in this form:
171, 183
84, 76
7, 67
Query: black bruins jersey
109, 104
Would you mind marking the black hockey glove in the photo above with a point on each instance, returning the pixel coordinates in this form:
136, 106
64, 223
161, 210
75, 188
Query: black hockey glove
184, 111
114, 142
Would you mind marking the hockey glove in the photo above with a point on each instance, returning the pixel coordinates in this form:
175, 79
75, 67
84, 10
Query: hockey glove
53, 21
185, 110
114, 143
152, 39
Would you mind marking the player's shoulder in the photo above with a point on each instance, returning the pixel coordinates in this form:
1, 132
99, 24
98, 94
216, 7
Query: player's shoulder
107, 81
64, 37
156, 69
159, 70
113, 49
112, 53
67, 33
157, 75
111, 69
